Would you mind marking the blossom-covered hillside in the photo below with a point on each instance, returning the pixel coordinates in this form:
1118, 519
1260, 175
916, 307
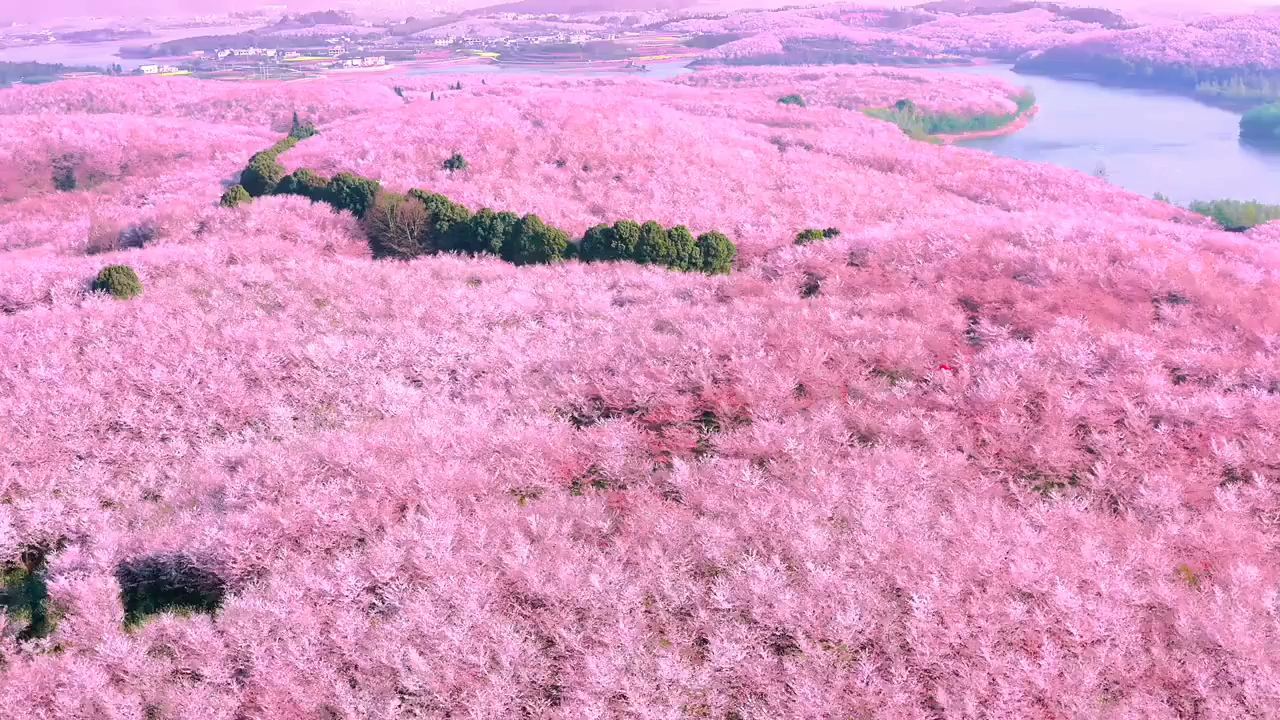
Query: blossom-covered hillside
852, 34
1232, 57
1006, 446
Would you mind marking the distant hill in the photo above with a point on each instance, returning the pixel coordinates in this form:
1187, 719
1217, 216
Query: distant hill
577, 6
1096, 15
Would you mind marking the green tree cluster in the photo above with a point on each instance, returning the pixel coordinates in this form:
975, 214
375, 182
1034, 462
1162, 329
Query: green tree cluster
302, 129
793, 99
652, 244
1237, 215
1261, 124
418, 223
264, 171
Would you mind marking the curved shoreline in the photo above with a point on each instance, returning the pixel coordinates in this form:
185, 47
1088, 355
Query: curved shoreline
1021, 122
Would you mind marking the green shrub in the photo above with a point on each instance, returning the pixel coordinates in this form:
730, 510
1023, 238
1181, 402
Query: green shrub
718, 253
161, 583
262, 175
533, 242
118, 280
351, 192
813, 235
488, 231
1261, 124
304, 182
654, 246
284, 145
301, 130
235, 196
627, 234
449, 220
685, 252
809, 236
602, 243
455, 162
793, 99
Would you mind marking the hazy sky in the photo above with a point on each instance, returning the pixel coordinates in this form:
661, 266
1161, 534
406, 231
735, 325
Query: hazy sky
47, 10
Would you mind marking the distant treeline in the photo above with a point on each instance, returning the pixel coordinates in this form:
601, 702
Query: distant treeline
101, 35
826, 51
12, 72
1230, 86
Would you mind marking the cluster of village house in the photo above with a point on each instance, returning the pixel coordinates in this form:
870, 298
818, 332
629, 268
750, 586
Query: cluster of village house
271, 54
557, 38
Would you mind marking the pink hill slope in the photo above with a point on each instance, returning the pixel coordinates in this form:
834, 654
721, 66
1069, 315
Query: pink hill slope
1008, 447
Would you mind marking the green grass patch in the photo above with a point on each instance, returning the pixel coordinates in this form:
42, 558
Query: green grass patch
922, 125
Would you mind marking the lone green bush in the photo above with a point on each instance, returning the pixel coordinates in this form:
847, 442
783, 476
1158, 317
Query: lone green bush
118, 280
456, 162
235, 196
793, 99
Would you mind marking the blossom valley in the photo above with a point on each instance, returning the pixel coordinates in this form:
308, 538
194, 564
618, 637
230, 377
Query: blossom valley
939, 434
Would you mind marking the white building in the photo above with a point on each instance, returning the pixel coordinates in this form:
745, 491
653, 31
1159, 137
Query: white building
149, 69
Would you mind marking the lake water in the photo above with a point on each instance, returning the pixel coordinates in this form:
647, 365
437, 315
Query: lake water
105, 54
1147, 142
